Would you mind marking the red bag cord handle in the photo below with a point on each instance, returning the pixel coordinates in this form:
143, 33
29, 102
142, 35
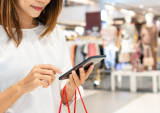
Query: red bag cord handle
64, 92
82, 100
61, 99
67, 101
75, 101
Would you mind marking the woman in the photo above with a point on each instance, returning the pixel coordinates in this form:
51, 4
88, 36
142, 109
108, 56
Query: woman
33, 53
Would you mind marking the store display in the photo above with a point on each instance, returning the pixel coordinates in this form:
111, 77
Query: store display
126, 66
118, 66
148, 59
149, 36
137, 66
124, 57
109, 36
137, 54
127, 34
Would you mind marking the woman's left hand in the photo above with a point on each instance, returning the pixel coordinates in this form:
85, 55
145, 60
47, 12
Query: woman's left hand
74, 81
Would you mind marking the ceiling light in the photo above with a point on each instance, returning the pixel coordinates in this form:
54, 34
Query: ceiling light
104, 15
113, 4
109, 7
141, 6
124, 11
132, 13
111, 12
150, 9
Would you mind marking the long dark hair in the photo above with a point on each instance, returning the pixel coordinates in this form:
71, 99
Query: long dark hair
9, 16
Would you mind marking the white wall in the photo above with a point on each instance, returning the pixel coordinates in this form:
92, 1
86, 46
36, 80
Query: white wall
73, 15
77, 14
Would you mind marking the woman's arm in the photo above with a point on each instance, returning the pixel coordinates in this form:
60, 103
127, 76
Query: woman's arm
28, 84
70, 94
10, 96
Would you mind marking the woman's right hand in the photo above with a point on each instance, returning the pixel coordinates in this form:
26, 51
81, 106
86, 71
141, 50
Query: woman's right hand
40, 75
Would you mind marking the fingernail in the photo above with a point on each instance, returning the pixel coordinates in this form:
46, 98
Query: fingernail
92, 66
81, 69
73, 72
60, 72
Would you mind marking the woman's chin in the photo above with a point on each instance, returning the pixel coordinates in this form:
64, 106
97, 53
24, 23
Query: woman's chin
35, 15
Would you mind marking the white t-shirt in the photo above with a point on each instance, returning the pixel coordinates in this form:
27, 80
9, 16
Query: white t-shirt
15, 64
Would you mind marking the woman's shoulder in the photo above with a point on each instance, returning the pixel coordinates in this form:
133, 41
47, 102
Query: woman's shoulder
58, 28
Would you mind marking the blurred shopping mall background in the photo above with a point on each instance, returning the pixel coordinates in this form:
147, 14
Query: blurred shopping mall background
128, 32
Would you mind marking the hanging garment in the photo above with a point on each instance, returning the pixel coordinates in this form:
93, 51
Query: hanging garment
149, 37
79, 56
101, 53
73, 54
85, 50
91, 50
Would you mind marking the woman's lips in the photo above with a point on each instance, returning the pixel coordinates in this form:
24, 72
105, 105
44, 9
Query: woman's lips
37, 8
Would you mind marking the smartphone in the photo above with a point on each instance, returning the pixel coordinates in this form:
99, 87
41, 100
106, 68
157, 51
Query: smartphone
85, 64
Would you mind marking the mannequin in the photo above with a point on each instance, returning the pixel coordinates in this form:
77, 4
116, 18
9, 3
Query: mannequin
127, 34
149, 19
109, 36
149, 36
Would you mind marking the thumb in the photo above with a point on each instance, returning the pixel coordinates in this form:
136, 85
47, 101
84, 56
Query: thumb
72, 80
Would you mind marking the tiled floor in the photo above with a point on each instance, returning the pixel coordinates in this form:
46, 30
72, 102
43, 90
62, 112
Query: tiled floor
121, 101
148, 103
104, 101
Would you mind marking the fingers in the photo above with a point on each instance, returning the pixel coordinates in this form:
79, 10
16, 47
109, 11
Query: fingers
50, 67
72, 80
82, 75
46, 72
76, 79
43, 83
47, 78
89, 71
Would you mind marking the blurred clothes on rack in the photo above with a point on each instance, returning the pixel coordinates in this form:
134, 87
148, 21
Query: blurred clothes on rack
91, 50
81, 50
79, 55
73, 54
101, 53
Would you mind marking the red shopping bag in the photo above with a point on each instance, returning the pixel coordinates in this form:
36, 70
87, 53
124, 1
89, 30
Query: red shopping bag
64, 92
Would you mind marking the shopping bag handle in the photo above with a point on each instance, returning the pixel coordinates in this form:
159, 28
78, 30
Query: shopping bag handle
64, 92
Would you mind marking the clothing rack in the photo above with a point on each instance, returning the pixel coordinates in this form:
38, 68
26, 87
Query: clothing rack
85, 41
